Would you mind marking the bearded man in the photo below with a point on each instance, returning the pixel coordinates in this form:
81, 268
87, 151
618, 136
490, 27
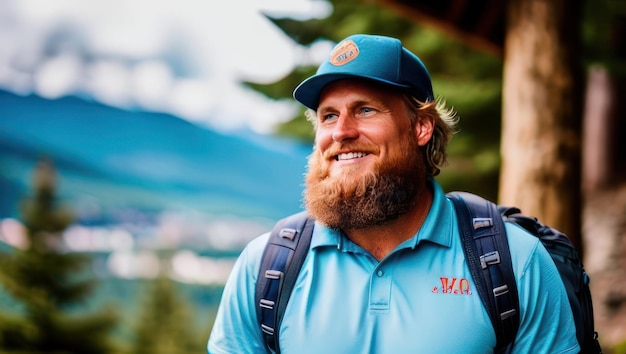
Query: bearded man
385, 236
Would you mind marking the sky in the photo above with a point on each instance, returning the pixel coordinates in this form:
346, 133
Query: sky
184, 57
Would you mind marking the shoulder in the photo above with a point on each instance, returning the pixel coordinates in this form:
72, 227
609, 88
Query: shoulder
544, 306
526, 250
543, 299
520, 240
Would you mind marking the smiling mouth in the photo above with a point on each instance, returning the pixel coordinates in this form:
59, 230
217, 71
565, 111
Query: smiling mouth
350, 156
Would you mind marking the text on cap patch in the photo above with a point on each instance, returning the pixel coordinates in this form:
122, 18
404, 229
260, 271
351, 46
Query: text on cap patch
344, 53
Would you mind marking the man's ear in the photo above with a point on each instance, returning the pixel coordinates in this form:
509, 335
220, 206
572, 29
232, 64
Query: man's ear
424, 130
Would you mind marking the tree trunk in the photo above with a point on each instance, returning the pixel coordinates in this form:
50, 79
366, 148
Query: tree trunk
542, 105
599, 126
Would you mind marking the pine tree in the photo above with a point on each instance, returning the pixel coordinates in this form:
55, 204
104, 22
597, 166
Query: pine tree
164, 324
46, 282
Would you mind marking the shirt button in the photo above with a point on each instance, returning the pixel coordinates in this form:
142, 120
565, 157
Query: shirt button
380, 273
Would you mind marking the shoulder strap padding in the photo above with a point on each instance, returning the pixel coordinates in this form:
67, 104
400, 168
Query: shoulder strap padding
488, 256
284, 254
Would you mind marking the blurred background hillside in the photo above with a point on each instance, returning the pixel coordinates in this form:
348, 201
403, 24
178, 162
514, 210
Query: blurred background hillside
144, 143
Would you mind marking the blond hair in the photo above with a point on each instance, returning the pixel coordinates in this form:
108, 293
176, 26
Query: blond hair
446, 125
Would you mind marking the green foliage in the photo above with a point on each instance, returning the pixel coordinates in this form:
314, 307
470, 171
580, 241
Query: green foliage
619, 348
46, 284
283, 88
348, 17
602, 27
298, 128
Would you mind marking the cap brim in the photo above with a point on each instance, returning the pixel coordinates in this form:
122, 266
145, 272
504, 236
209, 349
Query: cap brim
308, 92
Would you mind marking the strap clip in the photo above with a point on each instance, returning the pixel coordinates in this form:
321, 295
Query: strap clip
267, 329
267, 304
288, 233
490, 258
480, 223
273, 274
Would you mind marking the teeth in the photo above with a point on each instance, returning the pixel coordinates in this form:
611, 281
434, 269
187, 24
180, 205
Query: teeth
350, 156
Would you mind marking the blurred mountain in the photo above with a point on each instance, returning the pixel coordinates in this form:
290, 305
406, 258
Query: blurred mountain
110, 159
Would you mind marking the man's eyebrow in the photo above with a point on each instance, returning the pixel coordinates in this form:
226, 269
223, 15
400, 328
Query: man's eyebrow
375, 101
357, 103
323, 109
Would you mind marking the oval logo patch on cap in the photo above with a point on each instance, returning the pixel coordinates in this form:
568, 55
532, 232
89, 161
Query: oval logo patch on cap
344, 53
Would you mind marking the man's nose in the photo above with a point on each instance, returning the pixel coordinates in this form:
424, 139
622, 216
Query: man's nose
345, 128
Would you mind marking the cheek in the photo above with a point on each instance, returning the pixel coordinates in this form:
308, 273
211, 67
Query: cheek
323, 139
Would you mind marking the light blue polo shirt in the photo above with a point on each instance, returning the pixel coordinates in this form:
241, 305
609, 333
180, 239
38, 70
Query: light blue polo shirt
419, 299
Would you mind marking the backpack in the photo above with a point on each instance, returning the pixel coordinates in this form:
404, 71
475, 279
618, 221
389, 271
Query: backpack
482, 230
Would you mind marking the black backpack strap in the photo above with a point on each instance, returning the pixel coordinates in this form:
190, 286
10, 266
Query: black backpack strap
283, 257
487, 253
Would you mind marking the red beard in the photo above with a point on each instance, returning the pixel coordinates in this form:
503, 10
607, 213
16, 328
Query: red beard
369, 199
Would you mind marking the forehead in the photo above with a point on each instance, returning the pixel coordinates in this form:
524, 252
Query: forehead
358, 89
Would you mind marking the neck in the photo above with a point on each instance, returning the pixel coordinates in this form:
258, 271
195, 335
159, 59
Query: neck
381, 240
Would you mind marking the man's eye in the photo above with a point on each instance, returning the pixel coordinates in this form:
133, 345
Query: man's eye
367, 109
328, 116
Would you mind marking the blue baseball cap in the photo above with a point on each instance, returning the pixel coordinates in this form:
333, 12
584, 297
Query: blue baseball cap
378, 58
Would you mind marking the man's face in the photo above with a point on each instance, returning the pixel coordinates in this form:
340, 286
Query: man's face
366, 166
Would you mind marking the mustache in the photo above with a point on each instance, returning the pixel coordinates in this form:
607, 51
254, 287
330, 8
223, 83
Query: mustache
340, 147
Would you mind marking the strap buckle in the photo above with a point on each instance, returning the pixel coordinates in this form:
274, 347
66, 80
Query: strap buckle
490, 258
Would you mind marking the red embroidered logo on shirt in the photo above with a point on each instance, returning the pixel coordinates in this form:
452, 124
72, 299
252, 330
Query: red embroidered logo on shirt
454, 286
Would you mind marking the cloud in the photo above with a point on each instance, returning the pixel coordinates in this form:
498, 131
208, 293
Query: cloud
184, 57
